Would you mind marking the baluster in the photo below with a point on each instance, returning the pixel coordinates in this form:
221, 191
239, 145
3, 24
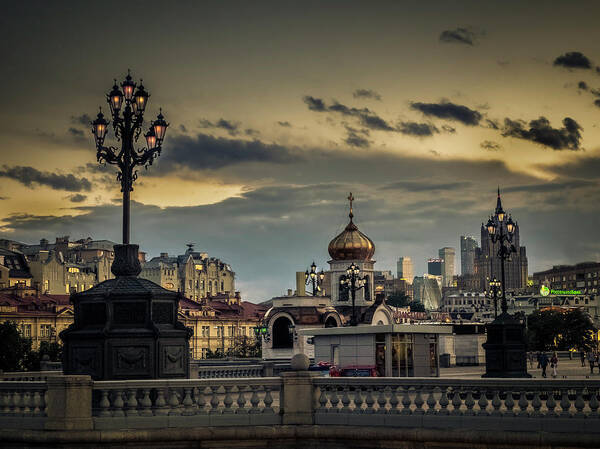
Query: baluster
104, 404
496, 403
419, 402
565, 404
132, 402
228, 400
551, 404
456, 403
214, 399
160, 405
536, 403
174, 402
36, 403
199, 399
241, 400
431, 401
369, 401
5, 402
345, 400
469, 403
146, 403
482, 403
593, 403
322, 399
188, 404
16, 403
359, 400
579, 404
27, 403
406, 401
523, 404
394, 401
254, 400
334, 399
118, 403
444, 402
381, 399
509, 403
268, 400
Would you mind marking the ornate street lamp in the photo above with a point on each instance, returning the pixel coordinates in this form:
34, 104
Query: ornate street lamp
352, 282
314, 278
127, 106
506, 344
493, 293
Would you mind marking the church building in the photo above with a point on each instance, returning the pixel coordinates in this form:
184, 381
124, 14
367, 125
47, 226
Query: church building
289, 314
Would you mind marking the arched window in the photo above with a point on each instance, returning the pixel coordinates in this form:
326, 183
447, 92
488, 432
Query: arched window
330, 322
282, 333
367, 288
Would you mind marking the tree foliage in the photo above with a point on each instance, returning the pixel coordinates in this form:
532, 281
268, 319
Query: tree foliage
16, 353
560, 330
398, 299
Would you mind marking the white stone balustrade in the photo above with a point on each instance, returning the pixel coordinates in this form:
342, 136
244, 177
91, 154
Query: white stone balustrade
186, 402
23, 404
229, 371
510, 404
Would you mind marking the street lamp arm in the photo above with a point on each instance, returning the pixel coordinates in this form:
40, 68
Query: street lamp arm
145, 157
108, 155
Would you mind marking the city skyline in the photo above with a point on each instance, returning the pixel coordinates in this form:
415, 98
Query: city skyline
277, 111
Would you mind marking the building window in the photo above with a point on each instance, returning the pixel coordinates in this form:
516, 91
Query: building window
26, 330
46, 286
204, 352
67, 288
45, 330
206, 331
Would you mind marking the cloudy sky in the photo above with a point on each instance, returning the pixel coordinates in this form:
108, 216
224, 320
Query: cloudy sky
279, 109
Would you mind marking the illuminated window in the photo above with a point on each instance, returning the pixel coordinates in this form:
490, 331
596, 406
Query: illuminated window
198, 267
67, 288
73, 270
26, 330
45, 330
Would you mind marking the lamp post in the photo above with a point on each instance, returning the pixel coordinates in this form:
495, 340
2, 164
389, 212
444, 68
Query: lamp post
495, 288
315, 278
352, 282
502, 233
127, 106
506, 343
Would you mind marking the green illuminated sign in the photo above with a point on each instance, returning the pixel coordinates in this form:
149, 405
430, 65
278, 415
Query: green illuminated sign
544, 291
566, 292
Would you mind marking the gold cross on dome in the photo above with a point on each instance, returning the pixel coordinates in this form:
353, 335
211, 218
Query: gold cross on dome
351, 198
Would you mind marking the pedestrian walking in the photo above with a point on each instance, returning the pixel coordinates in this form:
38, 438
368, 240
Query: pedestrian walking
539, 356
554, 364
582, 355
531, 357
591, 361
543, 363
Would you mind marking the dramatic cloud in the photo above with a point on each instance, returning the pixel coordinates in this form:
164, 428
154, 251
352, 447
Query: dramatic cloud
75, 132
465, 36
551, 186
29, 176
490, 146
365, 116
83, 119
540, 131
208, 152
232, 128
77, 198
417, 129
285, 124
425, 186
573, 60
449, 111
582, 85
357, 137
366, 93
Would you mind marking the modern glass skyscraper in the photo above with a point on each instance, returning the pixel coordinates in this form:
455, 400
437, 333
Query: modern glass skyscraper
448, 255
405, 269
468, 245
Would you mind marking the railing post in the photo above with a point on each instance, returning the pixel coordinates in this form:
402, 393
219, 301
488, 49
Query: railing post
267, 369
69, 403
297, 394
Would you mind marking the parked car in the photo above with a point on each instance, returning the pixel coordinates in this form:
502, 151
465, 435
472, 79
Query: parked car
353, 371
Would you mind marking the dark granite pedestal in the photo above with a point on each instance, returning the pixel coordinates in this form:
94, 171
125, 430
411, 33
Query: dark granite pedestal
126, 328
506, 348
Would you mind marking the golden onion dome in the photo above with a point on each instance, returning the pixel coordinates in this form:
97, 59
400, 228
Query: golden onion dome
351, 244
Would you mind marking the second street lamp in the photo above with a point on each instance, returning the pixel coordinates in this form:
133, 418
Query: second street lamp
315, 278
351, 282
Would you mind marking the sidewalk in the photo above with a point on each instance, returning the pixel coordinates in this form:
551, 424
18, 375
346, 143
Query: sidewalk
567, 369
